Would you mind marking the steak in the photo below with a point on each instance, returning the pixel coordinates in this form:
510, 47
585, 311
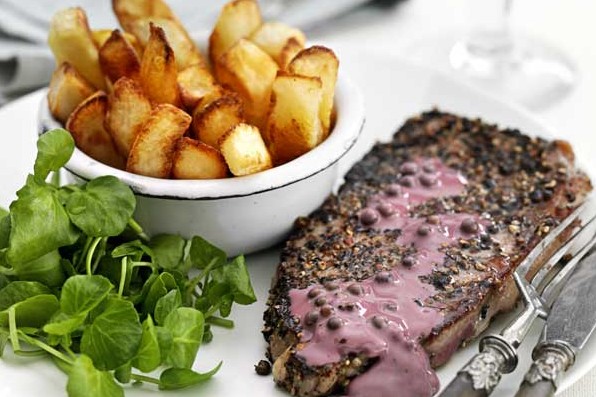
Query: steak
414, 255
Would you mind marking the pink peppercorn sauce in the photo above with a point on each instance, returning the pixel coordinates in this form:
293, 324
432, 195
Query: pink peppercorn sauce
385, 316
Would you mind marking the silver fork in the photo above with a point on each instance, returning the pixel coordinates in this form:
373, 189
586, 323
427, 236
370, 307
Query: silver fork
497, 355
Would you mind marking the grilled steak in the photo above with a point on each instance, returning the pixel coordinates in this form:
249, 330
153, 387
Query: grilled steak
413, 256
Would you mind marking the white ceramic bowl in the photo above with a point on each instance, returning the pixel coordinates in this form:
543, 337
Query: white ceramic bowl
240, 214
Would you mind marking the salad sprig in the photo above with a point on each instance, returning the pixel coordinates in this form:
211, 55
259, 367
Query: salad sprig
82, 283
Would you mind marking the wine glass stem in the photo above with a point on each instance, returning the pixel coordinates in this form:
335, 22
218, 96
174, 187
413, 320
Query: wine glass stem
489, 34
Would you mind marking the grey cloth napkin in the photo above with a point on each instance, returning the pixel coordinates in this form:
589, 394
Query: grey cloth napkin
26, 62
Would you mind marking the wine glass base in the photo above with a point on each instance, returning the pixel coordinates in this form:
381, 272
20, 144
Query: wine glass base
531, 72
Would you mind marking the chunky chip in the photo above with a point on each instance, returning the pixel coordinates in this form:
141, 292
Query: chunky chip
294, 126
71, 41
196, 160
195, 82
279, 40
237, 19
128, 108
67, 90
318, 61
129, 11
86, 125
244, 150
249, 71
217, 118
158, 69
152, 152
118, 58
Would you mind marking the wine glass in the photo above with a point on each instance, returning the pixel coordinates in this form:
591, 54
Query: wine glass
525, 69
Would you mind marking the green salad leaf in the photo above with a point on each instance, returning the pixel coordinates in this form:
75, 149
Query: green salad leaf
82, 283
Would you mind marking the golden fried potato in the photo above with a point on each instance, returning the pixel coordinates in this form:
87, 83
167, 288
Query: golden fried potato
237, 19
196, 160
217, 118
194, 83
279, 40
86, 124
67, 90
71, 41
100, 36
128, 108
318, 61
187, 53
249, 71
118, 58
129, 11
244, 150
158, 69
152, 152
294, 126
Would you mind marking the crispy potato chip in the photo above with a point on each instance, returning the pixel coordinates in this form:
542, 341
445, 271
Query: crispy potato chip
244, 150
195, 82
237, 19
196, 160
294, 126
100, 36
217, 118
118, 58
128, 108
318, 61
67, 90
129, 11
187, 53
249, 71
86, 124
152, 152
71, 41
158, 69
279, 40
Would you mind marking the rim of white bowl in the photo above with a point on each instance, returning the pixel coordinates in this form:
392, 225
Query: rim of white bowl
347, 129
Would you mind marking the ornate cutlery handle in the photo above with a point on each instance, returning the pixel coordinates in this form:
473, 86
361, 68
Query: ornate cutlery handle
551, 359
483, 372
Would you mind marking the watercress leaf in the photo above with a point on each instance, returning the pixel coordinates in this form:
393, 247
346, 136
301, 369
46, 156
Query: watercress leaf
3, 212
123, 373
235, 276
135, 249
225, 305
4, 230
4, 281
170, 301
82, 293
202, 303
169, 251
63, 324
165, 339
46, 269
178, 378
54, 148
39, 224
102, 207
202, 252
84, 380
114, 336
207, 335
148, 357
19, 291
162, 284
186, 325
32, 312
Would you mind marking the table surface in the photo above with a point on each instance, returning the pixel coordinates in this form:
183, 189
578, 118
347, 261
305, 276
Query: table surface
565, 24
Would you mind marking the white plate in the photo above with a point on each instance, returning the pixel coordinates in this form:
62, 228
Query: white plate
393, 89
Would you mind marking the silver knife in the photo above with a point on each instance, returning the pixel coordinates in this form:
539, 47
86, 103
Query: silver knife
570, 323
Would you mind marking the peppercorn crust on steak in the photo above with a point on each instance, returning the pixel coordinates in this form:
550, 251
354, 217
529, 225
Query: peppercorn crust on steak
413, 256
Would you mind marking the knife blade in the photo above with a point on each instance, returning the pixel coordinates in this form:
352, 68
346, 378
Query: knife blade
571, 321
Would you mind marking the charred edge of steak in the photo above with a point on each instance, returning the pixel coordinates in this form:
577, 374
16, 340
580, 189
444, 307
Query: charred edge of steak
526, 185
